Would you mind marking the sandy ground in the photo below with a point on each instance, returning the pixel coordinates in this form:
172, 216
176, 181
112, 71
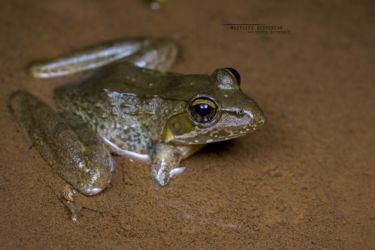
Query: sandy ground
305, 181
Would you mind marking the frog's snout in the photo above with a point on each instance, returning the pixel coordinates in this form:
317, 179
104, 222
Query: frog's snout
251, 115
257, 118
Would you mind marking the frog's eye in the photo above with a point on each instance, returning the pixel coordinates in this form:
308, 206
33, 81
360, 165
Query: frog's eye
235, 74
227, 78
203, 110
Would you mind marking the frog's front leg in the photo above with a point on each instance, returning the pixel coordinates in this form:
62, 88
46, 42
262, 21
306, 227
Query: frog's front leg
166, 159
73, 150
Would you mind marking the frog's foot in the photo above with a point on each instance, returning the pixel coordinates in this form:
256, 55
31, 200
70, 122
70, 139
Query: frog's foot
162, 173
166, 157
68, 200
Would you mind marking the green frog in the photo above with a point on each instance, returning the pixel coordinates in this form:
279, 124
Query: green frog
126, 103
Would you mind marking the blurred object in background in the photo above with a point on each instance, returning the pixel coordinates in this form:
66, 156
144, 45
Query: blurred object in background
156, 4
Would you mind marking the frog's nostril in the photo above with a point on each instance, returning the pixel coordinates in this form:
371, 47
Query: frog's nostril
240, 112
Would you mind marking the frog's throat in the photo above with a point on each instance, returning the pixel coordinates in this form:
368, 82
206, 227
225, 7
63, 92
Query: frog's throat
132, 155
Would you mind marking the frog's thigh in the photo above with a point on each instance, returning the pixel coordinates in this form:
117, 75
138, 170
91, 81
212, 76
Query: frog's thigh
76, 154
159, 55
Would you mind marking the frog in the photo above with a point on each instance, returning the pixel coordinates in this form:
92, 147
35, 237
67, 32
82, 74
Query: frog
124, 100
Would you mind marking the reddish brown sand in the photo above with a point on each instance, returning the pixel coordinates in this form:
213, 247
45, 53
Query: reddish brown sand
305, 181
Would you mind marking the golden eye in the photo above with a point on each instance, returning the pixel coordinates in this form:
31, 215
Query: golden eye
203, 110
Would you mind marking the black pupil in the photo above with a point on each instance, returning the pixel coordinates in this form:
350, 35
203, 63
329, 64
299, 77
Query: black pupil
203, 109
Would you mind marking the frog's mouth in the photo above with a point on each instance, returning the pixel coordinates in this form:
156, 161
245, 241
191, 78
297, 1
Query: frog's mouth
231, 125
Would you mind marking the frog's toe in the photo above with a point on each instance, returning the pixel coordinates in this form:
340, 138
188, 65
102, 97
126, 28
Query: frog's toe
68, 195
74, 209
161, 176
176, 171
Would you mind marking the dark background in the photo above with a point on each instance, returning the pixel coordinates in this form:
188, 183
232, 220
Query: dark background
306, 180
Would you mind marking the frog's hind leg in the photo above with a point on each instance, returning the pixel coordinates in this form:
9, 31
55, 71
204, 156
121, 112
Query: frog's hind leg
74, 151
157, 54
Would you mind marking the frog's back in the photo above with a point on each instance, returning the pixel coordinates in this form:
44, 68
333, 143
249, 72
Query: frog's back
127, 78
124, 78
122, 103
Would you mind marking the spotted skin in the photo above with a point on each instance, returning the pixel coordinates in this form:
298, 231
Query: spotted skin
126, 103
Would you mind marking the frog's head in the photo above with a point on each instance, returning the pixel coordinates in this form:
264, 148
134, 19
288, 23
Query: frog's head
217, 110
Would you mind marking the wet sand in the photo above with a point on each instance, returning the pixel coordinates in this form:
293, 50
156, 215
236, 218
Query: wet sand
304, 181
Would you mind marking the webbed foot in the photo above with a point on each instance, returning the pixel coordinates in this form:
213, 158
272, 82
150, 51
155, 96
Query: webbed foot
162, 174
